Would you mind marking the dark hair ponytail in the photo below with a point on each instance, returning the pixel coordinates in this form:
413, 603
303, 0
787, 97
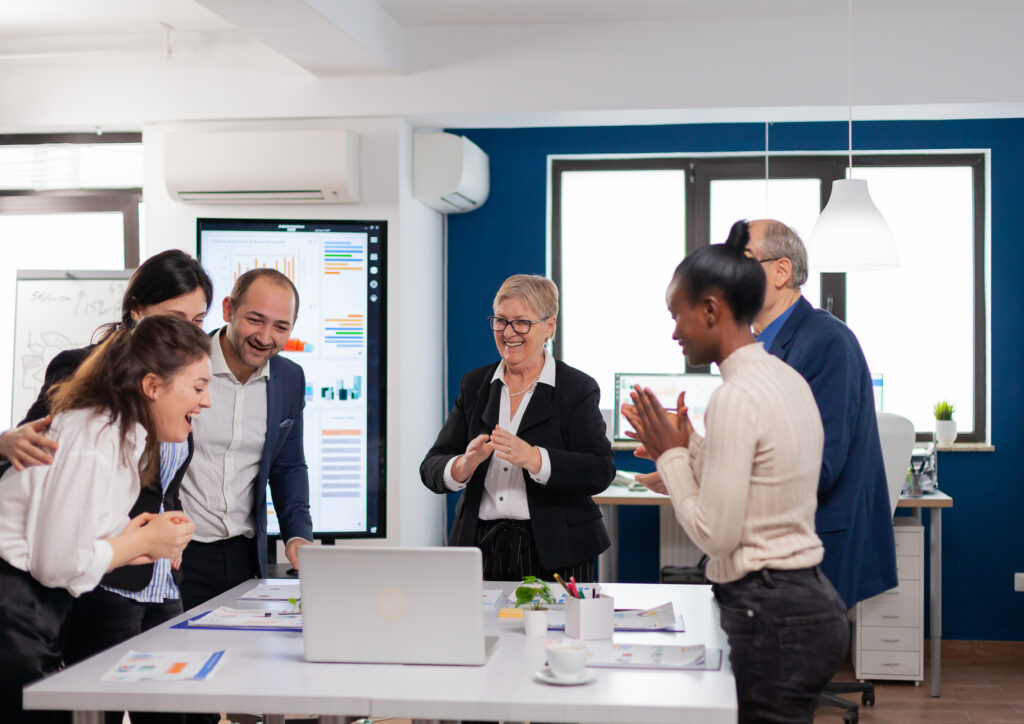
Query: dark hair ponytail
728, 268
110, 378
163, 276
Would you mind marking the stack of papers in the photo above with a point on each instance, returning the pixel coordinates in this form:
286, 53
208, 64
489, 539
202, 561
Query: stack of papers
233, 618
661, 618
272, 592
166, 666
610, 655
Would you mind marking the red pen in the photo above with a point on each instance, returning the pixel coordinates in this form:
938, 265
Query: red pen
572, 586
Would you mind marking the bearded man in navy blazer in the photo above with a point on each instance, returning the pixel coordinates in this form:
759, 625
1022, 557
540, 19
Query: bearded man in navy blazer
854, 517
253, 437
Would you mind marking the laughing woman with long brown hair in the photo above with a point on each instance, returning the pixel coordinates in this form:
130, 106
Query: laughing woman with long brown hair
63, 526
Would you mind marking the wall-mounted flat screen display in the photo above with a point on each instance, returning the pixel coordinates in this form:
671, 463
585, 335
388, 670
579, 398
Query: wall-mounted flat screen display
339, 269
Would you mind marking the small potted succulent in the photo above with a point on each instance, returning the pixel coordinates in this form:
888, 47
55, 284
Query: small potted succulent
945, 425
535, 595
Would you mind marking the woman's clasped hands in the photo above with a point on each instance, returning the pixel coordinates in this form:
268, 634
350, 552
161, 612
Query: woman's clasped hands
504, 445
167, 533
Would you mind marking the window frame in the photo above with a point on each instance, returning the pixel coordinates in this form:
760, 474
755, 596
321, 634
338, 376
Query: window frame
702, 170
123, 201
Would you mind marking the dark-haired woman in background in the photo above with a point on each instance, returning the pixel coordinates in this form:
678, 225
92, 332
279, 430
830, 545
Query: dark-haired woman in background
745, 494
130, 599
63, 525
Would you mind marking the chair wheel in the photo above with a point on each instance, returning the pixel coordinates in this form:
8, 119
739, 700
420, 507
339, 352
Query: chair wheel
867, 699
851, 717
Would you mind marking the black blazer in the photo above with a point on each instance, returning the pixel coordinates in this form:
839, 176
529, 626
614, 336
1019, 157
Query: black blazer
127, 578
565, 420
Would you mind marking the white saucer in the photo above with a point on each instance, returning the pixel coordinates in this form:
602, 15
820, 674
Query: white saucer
548, 677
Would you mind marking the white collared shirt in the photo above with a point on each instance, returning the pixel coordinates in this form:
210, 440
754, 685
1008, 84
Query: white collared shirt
55, 519
504, 487
217, 490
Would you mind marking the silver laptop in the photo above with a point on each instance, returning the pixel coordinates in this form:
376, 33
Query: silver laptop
393, 605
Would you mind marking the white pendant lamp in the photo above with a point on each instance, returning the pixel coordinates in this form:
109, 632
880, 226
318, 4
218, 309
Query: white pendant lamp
851, 234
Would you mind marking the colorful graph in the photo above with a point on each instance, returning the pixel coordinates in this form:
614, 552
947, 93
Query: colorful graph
341, 391
342, 256
284, 263
297, 345
344, 332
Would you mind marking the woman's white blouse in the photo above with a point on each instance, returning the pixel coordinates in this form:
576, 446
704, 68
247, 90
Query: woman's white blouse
55, 519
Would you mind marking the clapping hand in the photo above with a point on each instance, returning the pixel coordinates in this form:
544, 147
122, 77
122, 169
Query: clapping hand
478, 450
653, 426
515, 450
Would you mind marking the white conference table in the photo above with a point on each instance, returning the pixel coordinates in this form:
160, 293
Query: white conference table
264, 672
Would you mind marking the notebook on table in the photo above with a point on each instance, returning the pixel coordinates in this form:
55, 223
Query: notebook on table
393, 605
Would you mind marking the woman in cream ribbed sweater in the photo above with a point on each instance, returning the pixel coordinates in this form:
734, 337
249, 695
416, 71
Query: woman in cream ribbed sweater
746, 492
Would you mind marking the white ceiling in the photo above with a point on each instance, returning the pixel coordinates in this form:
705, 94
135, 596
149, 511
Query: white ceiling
40, 17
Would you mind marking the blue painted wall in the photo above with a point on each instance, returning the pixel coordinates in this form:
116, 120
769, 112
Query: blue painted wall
984, 532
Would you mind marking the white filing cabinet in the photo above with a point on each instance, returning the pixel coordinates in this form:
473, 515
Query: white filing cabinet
889, 638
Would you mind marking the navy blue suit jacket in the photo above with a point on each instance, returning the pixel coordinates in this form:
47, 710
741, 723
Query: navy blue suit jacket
284, 461
854, 518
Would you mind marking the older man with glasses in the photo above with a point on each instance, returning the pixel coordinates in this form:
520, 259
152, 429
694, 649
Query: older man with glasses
526, 443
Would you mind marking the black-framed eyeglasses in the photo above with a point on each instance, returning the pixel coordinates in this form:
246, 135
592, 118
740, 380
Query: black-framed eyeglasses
519, 326
774, 258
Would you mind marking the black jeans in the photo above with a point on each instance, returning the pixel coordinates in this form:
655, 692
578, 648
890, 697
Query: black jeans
100, 619
31, 619
788, 634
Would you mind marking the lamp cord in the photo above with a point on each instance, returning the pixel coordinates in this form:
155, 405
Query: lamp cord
849, 81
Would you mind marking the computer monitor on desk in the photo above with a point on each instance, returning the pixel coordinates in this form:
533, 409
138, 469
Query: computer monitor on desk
666, 388
393, 605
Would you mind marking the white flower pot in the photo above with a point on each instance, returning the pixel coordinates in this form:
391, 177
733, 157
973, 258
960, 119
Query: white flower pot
535, 622
945, 431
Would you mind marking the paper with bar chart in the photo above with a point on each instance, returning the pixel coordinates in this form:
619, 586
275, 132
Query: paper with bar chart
338, 339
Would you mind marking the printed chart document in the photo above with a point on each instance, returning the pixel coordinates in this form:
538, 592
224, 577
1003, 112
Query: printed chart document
274, 590
491, 597
611, 655
166, 666
225, 617
661, 618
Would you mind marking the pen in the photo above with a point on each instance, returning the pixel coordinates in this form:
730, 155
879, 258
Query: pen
562, 584
573, 589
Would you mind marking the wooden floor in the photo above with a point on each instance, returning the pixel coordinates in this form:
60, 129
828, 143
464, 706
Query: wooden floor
982, 683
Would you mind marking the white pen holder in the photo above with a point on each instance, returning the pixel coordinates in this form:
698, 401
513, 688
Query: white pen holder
590, 618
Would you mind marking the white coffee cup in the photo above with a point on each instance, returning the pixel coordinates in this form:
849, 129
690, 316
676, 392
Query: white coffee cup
567, 660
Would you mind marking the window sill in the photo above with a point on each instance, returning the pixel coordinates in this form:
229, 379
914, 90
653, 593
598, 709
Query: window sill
968, 447
955, 447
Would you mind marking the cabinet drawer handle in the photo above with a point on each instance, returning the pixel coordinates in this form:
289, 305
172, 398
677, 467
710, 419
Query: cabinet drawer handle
888, 664
890, 615
890, 641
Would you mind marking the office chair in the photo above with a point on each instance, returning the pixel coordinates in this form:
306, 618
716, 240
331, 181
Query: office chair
896, 434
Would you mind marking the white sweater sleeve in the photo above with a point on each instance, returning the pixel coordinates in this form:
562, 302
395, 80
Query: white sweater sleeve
713, 513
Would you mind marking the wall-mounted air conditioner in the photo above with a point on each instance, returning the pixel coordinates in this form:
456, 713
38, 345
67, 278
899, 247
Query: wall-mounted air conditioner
449, 173
227, 167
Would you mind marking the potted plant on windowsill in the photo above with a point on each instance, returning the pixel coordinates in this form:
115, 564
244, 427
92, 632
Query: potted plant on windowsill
945, 425
536, 595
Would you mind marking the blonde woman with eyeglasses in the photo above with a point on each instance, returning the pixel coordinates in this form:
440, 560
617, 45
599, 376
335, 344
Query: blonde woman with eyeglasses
525, 442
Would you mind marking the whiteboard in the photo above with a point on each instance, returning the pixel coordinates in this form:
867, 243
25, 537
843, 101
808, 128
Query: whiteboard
55, 311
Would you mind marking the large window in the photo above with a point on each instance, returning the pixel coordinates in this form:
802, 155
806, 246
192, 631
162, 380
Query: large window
68, 202
619, 227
